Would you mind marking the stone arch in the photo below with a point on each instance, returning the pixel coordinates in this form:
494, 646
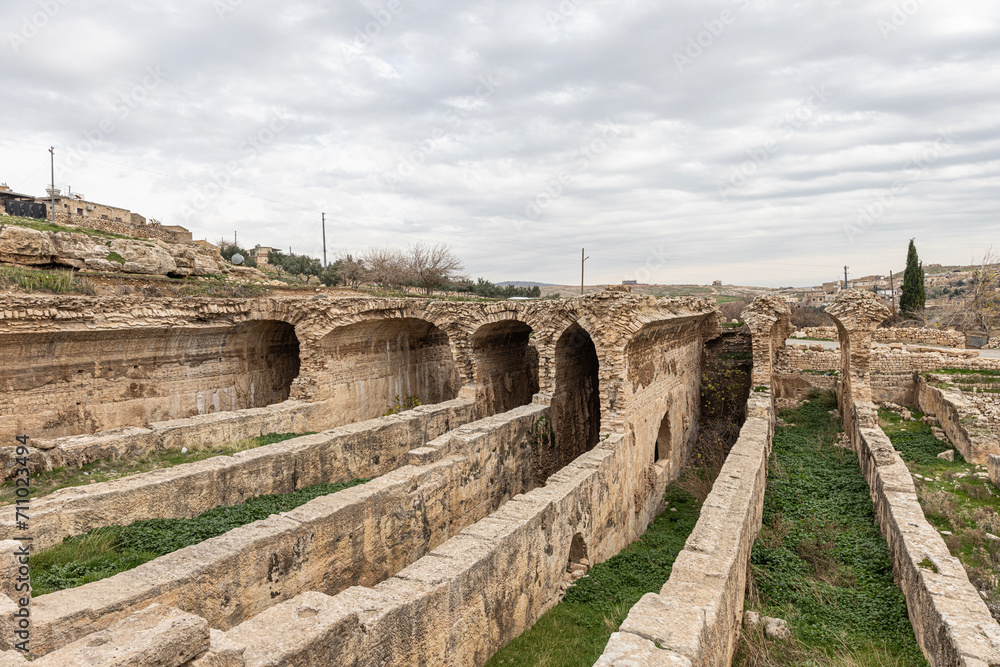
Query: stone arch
376, 365
576, 403
504, 366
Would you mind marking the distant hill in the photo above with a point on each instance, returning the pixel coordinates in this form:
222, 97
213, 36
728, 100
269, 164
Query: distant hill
523, 283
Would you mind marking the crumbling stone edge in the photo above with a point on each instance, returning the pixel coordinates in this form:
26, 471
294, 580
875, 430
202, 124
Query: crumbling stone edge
696, 616
952, 624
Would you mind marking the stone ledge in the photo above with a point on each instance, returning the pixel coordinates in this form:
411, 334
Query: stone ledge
360, 535
952, 624
365, 449
695, 618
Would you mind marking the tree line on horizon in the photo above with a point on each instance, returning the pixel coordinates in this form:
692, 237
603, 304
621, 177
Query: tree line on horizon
427, 267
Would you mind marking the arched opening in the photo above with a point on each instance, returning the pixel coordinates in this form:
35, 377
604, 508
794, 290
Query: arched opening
577, 549
63, 383
505, 366
387, 365
576, 402
663, 446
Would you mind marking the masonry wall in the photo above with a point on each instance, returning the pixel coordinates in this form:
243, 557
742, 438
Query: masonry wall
370, 367
82, 381
968, 426
952, 624
115, 220
505, 369
919, 335
696, 616
464, 600
892, 370
359, 536
363, 450
663, 381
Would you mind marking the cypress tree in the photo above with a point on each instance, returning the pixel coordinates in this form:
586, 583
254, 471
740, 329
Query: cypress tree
913, 297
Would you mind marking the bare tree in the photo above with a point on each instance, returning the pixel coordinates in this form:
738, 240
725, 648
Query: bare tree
984, 292
387, 266
434, 265
350, 269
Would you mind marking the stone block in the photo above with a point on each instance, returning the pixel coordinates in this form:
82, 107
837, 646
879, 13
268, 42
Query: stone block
157, 636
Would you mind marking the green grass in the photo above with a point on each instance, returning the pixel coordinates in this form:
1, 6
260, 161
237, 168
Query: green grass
575, 631
966, 371
47, 481
953, 500
104, 552
45, 226
37, 280
115, 257
820, 561
724, 298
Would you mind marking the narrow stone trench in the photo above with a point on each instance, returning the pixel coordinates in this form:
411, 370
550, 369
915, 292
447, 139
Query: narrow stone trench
820, 562
597, 598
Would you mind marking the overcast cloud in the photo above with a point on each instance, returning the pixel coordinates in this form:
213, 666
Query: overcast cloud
750, 141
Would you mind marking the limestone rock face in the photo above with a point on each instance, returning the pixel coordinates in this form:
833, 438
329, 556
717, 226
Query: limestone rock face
23, 245
26, 246
144, 257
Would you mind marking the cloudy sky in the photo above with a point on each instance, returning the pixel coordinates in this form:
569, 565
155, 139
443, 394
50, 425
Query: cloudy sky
750, 141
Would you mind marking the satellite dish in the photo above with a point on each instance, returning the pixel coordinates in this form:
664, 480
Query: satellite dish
237, 259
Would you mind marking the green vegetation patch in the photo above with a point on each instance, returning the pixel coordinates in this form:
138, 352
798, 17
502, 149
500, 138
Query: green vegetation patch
954, 499
36, 280
115, 257
104, 552
47, 481
45, 226
575, 631
820, 561
966, 371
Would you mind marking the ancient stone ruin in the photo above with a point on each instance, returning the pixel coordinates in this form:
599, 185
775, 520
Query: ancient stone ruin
504, 442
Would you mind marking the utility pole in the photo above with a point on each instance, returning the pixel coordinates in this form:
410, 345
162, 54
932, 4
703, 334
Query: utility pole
892, 293
582, 260
52, 187
845, 276
235, 242
324, 240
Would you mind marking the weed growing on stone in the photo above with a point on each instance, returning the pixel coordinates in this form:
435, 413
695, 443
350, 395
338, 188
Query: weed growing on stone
575, 631
403, 403
104, 552
820, 561
47, 481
